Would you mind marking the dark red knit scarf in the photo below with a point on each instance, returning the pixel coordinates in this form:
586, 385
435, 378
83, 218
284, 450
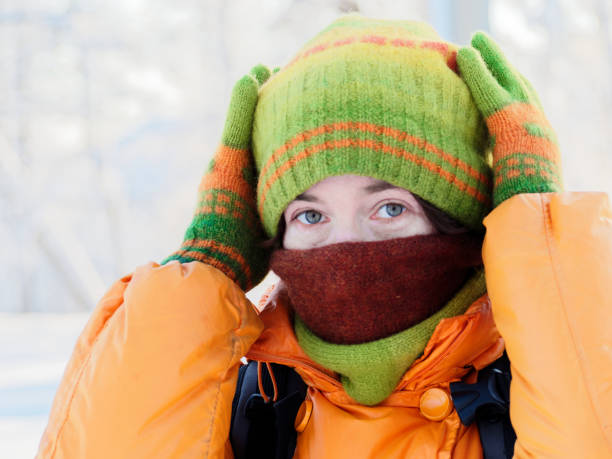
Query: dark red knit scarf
354, 292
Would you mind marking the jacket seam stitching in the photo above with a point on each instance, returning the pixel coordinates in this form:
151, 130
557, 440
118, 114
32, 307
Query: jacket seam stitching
216, 405
212, 418
555, 269
78, 381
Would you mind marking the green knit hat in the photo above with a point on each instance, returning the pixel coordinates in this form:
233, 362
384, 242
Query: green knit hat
377, 98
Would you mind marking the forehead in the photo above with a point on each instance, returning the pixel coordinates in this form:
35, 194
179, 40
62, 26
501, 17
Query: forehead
344, 183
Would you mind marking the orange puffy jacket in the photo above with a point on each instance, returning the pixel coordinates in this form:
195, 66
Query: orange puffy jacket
154, 372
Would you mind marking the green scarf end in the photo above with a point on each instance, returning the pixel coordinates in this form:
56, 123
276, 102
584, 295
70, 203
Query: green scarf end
370, 371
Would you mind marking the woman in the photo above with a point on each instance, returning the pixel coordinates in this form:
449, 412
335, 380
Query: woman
372, 158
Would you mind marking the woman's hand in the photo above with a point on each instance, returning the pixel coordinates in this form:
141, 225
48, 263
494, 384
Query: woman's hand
225, 231
526, 155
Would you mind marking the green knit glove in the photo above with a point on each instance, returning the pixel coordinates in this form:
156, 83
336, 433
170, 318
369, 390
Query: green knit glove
225, 231
526, 155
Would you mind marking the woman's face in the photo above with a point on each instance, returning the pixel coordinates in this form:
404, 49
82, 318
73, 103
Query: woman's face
352, 208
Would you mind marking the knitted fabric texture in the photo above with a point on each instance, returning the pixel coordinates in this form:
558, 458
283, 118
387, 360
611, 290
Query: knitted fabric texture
346, 294
226, 231
526, 157
369, 97
377, 98
370, 371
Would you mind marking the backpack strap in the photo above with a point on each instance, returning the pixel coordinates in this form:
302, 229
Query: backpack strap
268, 397
264, 408
487, 402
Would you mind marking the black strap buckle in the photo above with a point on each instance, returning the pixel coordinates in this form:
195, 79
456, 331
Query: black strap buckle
487, 402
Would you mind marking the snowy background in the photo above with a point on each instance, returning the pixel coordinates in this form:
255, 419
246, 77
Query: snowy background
111, 111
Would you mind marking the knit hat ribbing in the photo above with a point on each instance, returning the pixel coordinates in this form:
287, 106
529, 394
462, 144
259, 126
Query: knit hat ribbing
376, 98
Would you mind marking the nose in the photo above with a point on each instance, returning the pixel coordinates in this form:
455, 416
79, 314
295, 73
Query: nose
348, 231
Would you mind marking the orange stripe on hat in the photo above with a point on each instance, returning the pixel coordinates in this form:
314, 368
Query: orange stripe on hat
379, 130
378, 40
374, 145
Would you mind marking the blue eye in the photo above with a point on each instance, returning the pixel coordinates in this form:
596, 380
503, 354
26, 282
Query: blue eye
310, 217
390, 210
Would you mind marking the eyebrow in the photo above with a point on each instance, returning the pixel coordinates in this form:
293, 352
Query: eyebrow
306, 197
380, 185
